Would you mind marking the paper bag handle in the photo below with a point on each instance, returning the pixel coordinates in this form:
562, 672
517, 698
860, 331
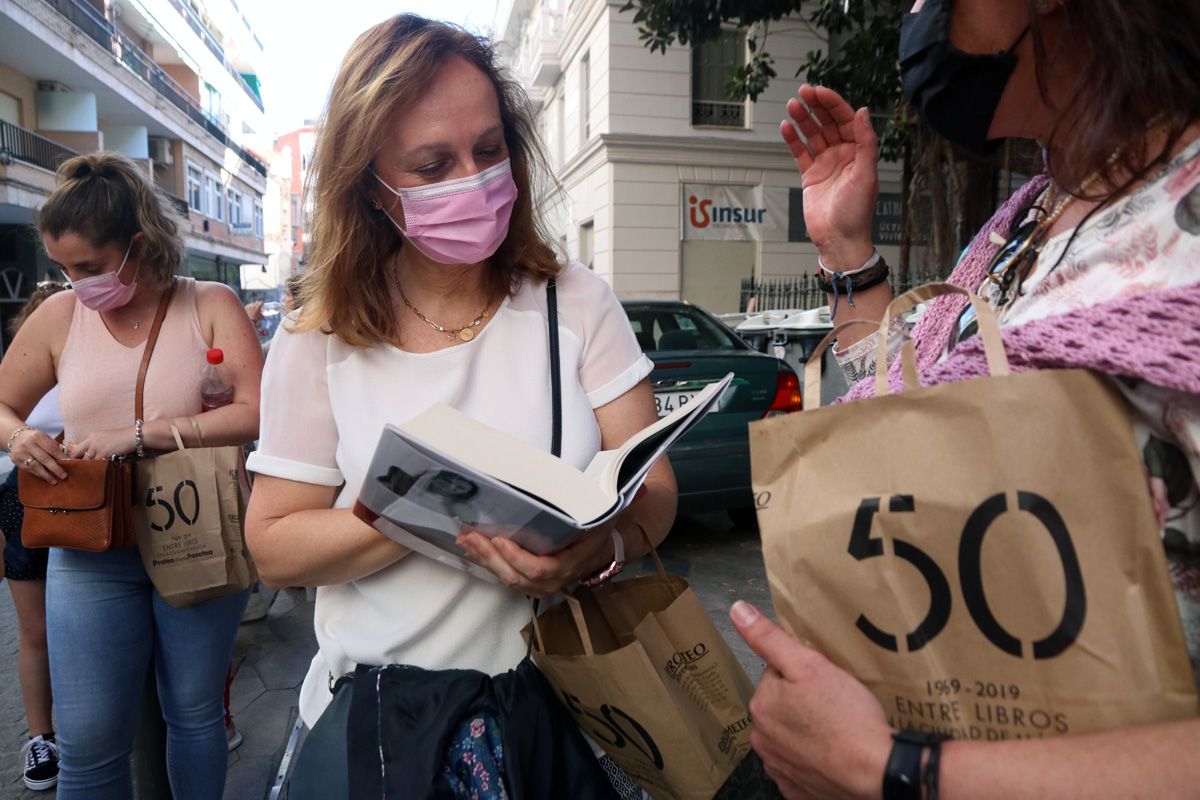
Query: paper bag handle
539, 644
178, 438
812, 368
580, 624
989, 331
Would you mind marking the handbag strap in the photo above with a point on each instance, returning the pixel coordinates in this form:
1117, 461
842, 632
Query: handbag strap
555, 420
159, 316
555, 370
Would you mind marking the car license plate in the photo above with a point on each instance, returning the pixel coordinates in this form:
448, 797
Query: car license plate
666, 402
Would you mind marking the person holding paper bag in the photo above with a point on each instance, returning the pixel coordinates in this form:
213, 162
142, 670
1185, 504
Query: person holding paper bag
118, 240
429, 284
1092, 265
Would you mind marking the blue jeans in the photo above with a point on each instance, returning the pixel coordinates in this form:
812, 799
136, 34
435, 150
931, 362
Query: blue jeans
104, 623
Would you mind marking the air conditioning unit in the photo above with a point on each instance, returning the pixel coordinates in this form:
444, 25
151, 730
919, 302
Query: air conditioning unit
160, 150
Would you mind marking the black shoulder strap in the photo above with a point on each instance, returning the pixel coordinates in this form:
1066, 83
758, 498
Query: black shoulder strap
555, 369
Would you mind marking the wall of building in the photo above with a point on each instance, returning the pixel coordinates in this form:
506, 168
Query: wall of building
66, 111
130, 140
626, 176
24, 89
187, 79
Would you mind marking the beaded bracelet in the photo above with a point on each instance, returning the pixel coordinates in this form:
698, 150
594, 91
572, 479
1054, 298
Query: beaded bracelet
13, 436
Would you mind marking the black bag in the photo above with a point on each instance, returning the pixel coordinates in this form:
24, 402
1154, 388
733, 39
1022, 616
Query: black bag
401, 720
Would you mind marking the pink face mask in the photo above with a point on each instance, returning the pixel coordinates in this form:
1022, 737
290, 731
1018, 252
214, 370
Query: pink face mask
462, 221
106, 292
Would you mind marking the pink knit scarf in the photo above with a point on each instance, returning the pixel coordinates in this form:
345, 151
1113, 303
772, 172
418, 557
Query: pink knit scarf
1153, 336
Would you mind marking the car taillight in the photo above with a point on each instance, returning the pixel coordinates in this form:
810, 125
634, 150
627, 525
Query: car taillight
788, 397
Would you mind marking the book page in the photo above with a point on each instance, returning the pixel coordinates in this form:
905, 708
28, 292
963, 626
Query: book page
510, 460
631, 461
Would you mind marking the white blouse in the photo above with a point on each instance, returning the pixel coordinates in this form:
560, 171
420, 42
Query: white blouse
324, 405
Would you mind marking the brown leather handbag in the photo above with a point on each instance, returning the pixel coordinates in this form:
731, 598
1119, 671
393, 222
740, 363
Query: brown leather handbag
93, 508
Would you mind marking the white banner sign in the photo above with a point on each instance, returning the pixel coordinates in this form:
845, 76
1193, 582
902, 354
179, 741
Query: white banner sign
735, 213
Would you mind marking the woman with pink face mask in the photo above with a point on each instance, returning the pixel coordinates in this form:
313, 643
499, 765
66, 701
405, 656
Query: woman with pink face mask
427, 284
119, 242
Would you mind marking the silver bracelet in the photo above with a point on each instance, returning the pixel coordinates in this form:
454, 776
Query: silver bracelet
141, 443
12, 438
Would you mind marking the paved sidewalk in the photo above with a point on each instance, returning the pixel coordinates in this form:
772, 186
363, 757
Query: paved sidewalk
272, 655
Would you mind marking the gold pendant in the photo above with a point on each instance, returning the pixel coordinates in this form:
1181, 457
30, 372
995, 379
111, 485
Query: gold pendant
466, 334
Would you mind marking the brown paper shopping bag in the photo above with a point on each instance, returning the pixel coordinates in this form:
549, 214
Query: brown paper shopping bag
649, 678
189, 510
983, 555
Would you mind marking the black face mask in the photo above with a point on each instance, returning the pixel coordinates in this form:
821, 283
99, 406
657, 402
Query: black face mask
956, 93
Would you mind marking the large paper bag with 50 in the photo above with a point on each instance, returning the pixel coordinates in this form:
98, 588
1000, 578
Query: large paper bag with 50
983, 555
649, 678
189, 509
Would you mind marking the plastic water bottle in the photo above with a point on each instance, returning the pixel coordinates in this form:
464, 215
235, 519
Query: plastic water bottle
214, 391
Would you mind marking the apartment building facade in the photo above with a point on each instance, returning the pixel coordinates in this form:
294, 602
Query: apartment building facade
671, 189
295, 149
172, 84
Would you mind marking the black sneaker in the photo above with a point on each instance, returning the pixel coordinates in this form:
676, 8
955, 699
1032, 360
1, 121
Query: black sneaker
41, 762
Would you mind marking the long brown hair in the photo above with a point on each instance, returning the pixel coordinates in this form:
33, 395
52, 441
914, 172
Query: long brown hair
1139, 66
106, 198
345, 289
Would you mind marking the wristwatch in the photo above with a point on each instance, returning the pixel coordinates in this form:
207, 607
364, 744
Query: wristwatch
902, 776
612, 569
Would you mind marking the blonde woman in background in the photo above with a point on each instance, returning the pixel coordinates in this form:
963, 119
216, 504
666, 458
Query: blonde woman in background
117, 239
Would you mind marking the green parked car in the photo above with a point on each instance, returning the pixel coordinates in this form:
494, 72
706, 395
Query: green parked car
691, 348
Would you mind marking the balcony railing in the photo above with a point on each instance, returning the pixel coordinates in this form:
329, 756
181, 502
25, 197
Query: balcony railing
86, 18
27, 146
200, 29
721, 113
246, 87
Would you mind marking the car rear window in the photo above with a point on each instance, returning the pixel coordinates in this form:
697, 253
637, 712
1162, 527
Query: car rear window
683, 328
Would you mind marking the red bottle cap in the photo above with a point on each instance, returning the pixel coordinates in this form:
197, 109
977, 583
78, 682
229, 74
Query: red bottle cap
216, 356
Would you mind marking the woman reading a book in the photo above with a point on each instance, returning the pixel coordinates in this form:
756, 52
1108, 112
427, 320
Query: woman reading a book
428, 284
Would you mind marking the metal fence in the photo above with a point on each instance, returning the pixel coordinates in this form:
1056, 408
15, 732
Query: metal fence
27, 146
801, 292
726, 114
88, 20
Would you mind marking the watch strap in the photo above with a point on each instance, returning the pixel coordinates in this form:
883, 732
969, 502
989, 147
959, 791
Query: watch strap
902, 776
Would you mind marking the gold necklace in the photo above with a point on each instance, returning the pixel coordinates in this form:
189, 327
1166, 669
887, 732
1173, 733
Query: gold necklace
464, 334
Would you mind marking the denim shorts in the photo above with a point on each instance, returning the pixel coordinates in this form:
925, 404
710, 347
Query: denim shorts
20, 562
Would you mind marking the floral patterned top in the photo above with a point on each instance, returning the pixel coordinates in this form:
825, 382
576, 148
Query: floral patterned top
1147, 241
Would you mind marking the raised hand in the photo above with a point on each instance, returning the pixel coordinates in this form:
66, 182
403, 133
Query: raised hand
837, 151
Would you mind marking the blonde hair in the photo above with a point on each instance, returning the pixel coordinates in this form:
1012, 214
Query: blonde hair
106, 198
345, 289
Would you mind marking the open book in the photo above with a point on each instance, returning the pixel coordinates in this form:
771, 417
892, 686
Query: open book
442, 473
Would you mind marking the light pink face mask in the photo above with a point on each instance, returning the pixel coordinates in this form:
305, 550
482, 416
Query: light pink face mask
462, 221
106, 292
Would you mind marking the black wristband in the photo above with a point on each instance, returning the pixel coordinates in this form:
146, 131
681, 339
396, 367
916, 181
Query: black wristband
857, 281
929, 776
902, 776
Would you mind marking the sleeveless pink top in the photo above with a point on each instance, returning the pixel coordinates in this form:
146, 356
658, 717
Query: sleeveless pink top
97, 375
